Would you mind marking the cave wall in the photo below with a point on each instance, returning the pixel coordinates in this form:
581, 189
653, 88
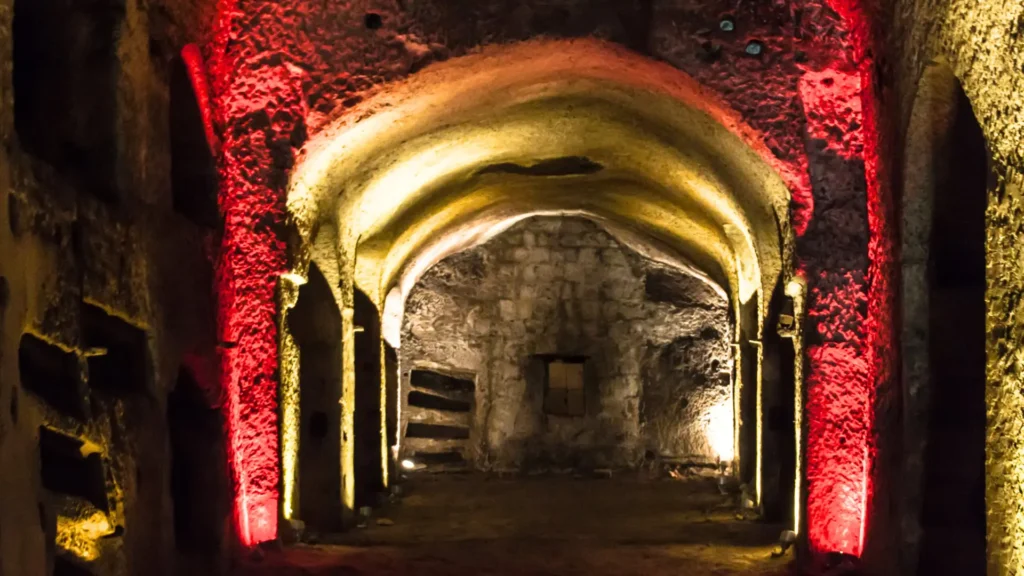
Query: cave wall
980, 40
981, 43
656, 342
315, 322
801, 74
105, 306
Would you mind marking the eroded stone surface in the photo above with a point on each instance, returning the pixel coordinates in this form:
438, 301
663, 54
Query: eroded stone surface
656, 343
111, 242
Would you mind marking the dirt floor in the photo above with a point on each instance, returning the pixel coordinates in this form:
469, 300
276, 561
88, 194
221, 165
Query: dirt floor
476, 525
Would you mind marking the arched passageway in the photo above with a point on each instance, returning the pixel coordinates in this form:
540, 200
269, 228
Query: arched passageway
944, 206
557, 347
650, 355
315, 324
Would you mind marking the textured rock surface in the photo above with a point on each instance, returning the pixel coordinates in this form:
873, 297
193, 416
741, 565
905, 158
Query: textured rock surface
84, 258
283, 69
982, 44
276, 86
656, 342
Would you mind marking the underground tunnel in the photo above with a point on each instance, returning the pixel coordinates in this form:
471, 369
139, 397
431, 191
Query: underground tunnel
538, 287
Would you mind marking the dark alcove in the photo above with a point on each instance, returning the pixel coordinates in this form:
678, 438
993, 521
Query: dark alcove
315, 321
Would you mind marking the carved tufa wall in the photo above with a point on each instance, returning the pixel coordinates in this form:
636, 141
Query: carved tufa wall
111, 446
981, 44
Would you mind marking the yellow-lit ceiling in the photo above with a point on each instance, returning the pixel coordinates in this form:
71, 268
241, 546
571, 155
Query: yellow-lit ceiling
420, 171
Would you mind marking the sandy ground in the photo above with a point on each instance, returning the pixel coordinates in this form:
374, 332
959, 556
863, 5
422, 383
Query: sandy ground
475, 525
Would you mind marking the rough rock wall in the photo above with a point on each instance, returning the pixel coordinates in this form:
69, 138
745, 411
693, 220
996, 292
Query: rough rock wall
104, 304
315, 323
800, 73
982, 43
656, 342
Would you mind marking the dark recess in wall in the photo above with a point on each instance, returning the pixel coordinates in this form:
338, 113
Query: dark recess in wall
953, 512
122, 370
5, 293
315, 321
424, 400
369, 465
65, 471
193, 169
318, 425
373, 21
436, 431
65, 567
197, 455
65, 88
438, 458
442, 384
391, 385
564, 166
50, 374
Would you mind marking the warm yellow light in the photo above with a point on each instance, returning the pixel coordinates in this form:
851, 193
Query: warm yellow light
408, 464
719, 430
294, 279
406, 156
288, 353
795, 290
409, 176
348, 408
759, 424
385, 461
79, 535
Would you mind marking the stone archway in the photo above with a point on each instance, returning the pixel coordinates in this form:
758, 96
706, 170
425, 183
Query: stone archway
945, 184
464, 150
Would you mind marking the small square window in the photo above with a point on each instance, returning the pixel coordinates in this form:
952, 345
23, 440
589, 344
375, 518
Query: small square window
564, 393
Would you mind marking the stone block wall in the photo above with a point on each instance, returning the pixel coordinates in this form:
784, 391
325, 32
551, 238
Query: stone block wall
656, 343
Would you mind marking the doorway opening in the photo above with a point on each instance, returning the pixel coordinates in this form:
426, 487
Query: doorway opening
954, 492
198, 491
944, 339
315, 322
368, 444
554, 380
512, 247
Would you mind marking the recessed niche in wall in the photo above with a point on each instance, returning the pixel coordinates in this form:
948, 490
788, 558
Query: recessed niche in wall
432, 402
373, 20
319, 426
449, 386
315, 322
196, 437
5, 293
50, 374
65, 470
564, 394
193, 169
122, 369
65, 88
438, 458
435, 431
